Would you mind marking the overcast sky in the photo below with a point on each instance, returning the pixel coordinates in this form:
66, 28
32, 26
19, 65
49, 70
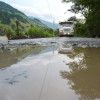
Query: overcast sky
40, 9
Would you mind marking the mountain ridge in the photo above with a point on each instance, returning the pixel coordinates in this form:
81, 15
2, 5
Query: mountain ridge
49, 24
12, 14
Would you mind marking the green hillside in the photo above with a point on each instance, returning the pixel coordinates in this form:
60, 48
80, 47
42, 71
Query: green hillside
49, 24
16, 25
9, 15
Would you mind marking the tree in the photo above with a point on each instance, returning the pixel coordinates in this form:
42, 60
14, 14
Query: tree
9, 32
38, 32
91, 11
19, 32
73, 18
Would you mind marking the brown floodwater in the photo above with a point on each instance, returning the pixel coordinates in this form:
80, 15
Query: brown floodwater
41, 73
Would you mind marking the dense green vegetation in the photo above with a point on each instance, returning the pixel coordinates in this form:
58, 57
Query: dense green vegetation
73, 18
32, 32
24, 28
37, 32
81, 30
9, 15
91, 11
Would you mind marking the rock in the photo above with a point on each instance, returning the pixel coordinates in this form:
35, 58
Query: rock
74, 44
65, 50
3, 40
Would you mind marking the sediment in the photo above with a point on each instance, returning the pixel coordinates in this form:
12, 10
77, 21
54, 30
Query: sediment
66, 41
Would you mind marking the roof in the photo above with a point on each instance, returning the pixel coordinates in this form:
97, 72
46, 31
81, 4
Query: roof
67, 22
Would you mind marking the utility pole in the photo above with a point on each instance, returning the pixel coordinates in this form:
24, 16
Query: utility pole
53, 27
17, 24
17, 30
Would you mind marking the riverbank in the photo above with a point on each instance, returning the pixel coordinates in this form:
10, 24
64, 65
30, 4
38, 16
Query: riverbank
66, 41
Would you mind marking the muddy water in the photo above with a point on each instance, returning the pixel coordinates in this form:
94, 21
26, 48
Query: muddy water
11, 56
42, 73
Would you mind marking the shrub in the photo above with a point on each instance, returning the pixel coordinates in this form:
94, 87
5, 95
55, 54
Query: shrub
9, 32
37, 32
81, 30
19, 32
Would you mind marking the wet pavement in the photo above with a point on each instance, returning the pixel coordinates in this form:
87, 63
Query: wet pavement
44, 74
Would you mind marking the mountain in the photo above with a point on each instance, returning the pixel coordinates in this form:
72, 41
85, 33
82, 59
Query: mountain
9, 15
49, 24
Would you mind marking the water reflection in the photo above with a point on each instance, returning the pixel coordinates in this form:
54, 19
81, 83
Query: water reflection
14, 79
38, 75
9, 56
84, 74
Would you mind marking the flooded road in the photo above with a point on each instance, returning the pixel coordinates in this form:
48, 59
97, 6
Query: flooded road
41, 73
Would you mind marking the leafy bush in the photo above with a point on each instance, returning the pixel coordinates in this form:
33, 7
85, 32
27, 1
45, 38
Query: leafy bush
19, 32
37, 32
9, 32
81, 30
90, 9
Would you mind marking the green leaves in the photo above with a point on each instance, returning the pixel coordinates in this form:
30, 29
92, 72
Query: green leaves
37, 32
9, 15
81, 30
73, 18
91, 11
9, 32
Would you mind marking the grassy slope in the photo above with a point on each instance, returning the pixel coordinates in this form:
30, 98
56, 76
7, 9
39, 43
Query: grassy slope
9, 15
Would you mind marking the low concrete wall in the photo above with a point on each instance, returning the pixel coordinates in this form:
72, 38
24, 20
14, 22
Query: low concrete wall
3, 40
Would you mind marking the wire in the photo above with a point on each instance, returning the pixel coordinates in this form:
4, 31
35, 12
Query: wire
51, 15
49, 8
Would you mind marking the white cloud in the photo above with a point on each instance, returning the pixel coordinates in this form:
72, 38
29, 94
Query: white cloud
40, 9
30, 11
27, 10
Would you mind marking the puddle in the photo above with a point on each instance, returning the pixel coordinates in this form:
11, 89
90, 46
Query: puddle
9, 56
44, 74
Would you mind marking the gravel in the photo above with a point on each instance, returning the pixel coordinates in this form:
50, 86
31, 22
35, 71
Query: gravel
67, 41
